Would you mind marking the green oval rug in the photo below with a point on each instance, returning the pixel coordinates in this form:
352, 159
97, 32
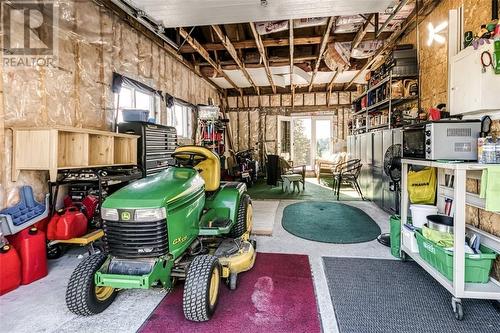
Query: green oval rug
329, 222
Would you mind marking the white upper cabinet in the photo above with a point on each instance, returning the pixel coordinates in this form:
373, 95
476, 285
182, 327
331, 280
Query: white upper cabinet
471, 89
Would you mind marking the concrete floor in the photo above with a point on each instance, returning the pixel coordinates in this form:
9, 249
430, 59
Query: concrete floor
40, 306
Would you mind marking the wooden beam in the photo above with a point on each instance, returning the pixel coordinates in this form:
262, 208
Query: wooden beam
322, 48
204, 53
361, 32
262, 51
290, 36
234, 54
330, 85
275, 42
389, 19
391, 41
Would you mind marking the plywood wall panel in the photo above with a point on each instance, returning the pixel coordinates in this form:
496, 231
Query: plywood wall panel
320, 98
286, 100
309, 99
265, 100
275, 100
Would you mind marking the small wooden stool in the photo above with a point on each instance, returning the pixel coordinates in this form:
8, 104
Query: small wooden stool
291, 179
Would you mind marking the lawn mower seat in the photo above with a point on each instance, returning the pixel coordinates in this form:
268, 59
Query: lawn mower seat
209, 168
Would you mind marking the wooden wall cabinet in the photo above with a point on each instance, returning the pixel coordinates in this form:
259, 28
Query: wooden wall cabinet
59, 148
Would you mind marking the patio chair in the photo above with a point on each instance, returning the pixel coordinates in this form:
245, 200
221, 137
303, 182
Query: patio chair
287, 168
323, 167
347, 173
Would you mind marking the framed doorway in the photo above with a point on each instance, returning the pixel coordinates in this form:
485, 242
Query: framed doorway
311, 139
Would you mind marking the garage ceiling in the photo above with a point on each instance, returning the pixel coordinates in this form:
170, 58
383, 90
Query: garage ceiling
184, 13
245, 47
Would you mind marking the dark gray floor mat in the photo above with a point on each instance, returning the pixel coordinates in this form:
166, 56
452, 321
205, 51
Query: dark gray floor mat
372, 295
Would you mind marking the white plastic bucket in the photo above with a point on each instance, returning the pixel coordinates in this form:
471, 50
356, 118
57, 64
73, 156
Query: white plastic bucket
419, 214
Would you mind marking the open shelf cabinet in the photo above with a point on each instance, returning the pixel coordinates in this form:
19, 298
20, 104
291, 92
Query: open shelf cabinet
59, 148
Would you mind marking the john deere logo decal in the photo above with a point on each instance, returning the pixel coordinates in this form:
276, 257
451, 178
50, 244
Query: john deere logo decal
125, 216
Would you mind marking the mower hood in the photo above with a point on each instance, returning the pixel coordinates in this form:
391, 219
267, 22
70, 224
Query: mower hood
158, 190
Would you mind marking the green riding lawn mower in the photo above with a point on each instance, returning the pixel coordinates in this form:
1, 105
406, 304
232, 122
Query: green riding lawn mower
181, 224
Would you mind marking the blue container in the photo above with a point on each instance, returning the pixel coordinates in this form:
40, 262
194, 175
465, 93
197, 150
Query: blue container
135, 115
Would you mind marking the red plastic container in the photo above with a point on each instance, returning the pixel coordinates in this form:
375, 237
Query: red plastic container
90, 203
10, 269
66, 224
30, 245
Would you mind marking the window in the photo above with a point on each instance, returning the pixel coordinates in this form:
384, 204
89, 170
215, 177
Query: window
180, 116
132, 98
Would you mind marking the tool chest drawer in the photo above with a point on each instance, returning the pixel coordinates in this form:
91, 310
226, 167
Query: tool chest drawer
155, 146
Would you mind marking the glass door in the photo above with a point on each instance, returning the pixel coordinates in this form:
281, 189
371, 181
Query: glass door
323, 138
311, 140
284, 137
302, 142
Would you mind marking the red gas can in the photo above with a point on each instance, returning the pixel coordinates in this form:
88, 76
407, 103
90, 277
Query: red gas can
30, 245
90, 203
66, 224
10, 269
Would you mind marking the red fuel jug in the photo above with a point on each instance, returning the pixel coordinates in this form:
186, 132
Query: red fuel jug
66, 224
90, 202
31, 247
10, 269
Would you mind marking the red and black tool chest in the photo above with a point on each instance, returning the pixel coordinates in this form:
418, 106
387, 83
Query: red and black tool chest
154, 147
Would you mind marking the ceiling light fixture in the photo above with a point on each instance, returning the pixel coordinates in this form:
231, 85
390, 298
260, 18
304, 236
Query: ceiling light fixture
263, 3
434, 33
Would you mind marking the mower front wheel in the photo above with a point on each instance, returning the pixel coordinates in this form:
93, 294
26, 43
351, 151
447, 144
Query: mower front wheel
201, 289
83, 297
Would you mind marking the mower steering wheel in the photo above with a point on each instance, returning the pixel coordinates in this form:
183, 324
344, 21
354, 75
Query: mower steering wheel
188, 158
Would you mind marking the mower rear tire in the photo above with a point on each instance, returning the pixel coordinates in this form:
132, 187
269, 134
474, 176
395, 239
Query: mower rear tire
201, 289
83, 297
244, 218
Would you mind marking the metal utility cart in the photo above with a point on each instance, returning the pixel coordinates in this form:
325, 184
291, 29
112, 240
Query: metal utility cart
103, 178
458, 287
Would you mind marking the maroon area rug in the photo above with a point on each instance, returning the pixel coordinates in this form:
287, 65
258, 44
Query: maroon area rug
277, 295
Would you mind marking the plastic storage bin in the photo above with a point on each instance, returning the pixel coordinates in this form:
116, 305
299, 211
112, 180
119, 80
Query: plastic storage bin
409, 240
477, 266
419, 214
135, 115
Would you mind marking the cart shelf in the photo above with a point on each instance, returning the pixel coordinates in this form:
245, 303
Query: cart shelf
461, 171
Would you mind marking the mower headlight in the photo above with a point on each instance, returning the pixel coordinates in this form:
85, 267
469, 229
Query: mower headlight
109, 214
150, 215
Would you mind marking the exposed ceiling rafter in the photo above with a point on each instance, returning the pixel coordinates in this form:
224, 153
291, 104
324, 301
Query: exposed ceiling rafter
234, 54
389, 19
204, 53
391, 41
324, 42
262, 51
361, 32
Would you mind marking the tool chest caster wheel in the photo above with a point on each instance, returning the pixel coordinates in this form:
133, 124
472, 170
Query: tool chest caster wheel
458, 308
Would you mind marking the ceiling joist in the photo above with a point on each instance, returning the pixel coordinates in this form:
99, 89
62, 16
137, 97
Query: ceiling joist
276, 42
262, 51
204, 53
234, 54
322, 48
